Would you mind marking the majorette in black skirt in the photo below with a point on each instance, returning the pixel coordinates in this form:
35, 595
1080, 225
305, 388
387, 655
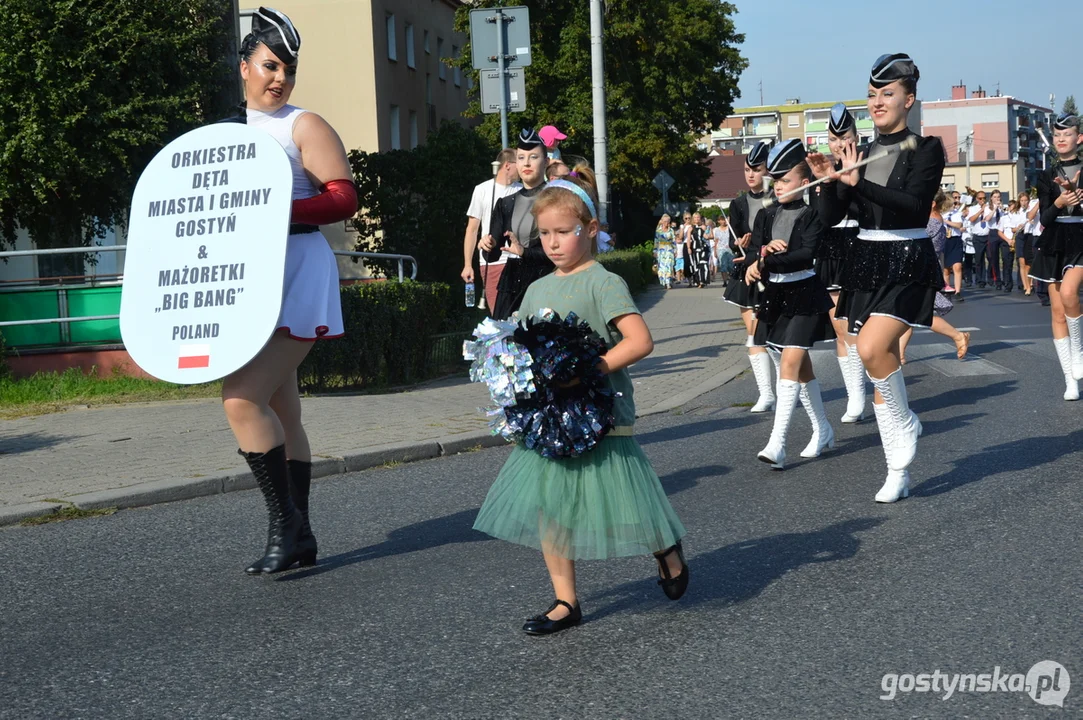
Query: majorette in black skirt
891, 273
793, 311
834, 250
1061, 248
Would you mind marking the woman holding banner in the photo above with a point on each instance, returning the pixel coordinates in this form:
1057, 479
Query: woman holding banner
261, 399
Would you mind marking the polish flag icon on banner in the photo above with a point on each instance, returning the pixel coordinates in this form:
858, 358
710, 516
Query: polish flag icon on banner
194, 356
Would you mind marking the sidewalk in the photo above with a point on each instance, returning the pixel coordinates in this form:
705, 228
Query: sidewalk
130, 455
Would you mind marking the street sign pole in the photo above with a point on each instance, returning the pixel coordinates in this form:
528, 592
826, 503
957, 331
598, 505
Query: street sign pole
500, 52
508, 57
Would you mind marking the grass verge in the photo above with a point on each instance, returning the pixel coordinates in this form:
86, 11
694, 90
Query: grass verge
49, 392
68, 512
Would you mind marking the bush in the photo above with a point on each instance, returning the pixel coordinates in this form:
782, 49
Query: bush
414, 201
5, 371
389, 329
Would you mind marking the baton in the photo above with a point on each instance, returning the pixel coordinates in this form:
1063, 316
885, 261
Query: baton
910, 143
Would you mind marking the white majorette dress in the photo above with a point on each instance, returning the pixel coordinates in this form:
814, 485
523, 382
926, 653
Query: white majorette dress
311, 307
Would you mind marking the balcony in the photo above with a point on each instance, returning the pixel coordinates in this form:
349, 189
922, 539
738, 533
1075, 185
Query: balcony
760, 130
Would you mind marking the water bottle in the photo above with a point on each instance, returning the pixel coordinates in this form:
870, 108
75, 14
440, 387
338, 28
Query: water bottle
470, 294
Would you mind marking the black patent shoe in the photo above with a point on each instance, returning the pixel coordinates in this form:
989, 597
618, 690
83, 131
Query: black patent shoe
542, 625
673, 587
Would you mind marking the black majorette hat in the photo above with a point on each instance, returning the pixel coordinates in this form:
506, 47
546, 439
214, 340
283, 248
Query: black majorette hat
274, 29
1066, 121
758, 154
785, 157
841, 121
889, 68
529, 139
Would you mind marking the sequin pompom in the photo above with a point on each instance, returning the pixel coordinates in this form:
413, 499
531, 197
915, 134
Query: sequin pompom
542, 375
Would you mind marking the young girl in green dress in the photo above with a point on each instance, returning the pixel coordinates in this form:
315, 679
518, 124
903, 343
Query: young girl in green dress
607, 502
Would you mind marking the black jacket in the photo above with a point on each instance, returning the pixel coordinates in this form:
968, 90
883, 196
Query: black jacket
804, 240
906, 200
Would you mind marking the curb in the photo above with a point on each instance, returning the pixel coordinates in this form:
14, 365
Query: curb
241, 479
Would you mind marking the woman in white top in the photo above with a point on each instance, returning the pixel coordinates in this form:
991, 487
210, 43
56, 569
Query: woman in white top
261, 399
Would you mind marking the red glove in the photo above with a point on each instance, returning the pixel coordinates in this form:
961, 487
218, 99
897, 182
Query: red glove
337, 201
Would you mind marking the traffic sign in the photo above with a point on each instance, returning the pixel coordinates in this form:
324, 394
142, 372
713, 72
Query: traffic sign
515, 79
485, 43
663, 181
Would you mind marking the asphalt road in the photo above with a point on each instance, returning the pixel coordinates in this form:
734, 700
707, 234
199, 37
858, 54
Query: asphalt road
804, 592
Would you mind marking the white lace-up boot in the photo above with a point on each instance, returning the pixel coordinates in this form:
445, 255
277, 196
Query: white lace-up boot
1075, 334
823, 435
1064, 355
853, 375
905, 426
761, 369
775, 452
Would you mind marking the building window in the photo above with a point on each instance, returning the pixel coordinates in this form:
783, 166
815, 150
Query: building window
410, 63
990, 154
793, 121
425, 41
413, 129
948, 183
440, 57
428, 88
396, 137
392, 48
990, 180
456, 73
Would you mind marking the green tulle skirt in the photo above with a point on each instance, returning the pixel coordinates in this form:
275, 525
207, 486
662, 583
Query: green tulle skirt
605, 503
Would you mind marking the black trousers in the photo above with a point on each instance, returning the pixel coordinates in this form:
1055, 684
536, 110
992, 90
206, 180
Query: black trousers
981, 250
1007, 264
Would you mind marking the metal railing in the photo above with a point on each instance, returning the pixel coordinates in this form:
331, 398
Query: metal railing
400, 259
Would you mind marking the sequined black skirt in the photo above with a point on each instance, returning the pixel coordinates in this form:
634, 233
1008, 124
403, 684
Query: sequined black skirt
1063, 238
798, 331
832, 255
738, 293
803, 297
1050, 268
894, 278
874, 264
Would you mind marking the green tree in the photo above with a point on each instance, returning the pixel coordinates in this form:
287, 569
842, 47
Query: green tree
1069, 106
89, 91
671, 76
414, 201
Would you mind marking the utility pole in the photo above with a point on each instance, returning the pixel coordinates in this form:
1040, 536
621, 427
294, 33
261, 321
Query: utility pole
597, 76
761, 92
969, 143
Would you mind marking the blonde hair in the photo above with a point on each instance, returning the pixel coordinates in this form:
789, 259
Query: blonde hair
555, 197
942, 201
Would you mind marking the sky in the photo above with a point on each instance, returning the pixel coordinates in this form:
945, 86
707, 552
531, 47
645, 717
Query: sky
794, 48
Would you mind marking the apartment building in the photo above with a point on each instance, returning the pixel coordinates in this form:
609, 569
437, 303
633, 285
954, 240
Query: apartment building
993, 133
774, 123
375, 69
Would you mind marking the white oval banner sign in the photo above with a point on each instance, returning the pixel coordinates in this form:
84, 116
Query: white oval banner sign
206, 253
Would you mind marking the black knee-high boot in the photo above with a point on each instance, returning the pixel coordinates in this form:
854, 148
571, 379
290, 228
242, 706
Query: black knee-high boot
300, 483
284, 523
